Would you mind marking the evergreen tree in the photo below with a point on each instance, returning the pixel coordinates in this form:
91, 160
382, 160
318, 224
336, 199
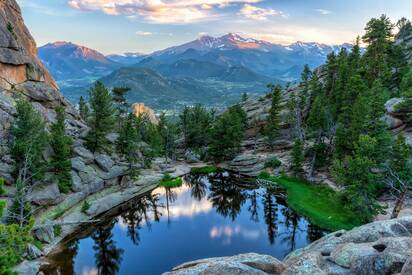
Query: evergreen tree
120, 102
29, 139
356, 174
83, 109
405, 28
227, 134
195, 123
127, 144
378, 36
244, 97
167, 132
101, 120
298, 157
273, 122
61, 144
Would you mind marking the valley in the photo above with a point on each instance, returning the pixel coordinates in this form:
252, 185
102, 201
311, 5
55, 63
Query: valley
223, 155
212, 71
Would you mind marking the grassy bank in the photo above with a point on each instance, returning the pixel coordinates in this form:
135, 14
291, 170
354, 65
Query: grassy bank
170, 182
319, 203
205, 170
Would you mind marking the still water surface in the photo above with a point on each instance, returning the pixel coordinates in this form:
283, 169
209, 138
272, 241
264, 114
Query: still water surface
209, 216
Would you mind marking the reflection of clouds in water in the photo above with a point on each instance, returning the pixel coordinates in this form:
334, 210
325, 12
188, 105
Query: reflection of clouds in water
185, 205
89, 271
122, 224
227, 232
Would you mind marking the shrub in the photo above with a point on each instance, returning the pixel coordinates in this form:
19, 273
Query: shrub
264, 175
57, 230
273, 163
85, 206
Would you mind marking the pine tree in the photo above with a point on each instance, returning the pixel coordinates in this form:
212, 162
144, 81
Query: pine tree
29, 139
194, 123
120, 102
378, 36
361, 184
167, 132
61, 144
101, 120
227, 134
298, 157
127, 143
83, 109
273, 122
245, 97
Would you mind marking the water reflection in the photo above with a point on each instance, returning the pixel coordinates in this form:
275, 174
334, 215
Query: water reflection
107, 256
215, 215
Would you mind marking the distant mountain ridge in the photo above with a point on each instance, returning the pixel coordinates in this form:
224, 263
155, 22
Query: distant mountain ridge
211, 70
67, 60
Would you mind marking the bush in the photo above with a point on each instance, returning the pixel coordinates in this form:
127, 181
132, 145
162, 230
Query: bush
57, 230
264, 175
169, 182
273, 163
85, 206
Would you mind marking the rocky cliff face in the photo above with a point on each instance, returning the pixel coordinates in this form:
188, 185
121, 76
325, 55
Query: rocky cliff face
383, 247
23, 75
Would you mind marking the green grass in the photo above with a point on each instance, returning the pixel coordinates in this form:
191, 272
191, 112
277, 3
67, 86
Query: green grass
319, 203
205, 170
169, 182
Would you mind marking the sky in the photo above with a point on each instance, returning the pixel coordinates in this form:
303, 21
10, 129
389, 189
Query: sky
144, 26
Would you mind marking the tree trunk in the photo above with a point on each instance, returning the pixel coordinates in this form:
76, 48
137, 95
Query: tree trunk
399, 203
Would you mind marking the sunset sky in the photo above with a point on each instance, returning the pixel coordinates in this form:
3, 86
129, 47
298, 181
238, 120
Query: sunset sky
147, 25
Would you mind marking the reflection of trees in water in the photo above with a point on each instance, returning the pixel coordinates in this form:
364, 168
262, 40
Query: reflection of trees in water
270, 209
226, 196
314, 233
292, 223
64, 261
141, 213
198, 186
254, 207
107, 256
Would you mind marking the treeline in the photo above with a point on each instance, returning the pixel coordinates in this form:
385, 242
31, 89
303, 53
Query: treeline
338, 114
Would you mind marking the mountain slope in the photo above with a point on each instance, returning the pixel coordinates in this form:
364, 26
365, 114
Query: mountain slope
66, 60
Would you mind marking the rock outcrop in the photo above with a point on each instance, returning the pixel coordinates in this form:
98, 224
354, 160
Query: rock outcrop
22, 75
383, 247
139, 109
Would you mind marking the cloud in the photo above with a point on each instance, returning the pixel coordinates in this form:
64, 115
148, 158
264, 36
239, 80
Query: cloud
323, 12
256, 13
159, 11
143, 33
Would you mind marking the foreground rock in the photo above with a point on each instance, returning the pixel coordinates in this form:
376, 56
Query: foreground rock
250, 263
383, 247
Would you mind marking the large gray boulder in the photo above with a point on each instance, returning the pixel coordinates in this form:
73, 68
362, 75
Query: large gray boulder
83, 153
46, 195
104, 162
250, 263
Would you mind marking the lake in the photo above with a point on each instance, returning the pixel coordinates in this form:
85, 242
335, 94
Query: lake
209, 216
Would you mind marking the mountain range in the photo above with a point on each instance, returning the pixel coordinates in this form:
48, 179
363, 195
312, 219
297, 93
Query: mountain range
209, 69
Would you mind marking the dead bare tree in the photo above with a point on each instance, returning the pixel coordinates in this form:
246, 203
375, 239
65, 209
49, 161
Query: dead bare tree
399, 189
